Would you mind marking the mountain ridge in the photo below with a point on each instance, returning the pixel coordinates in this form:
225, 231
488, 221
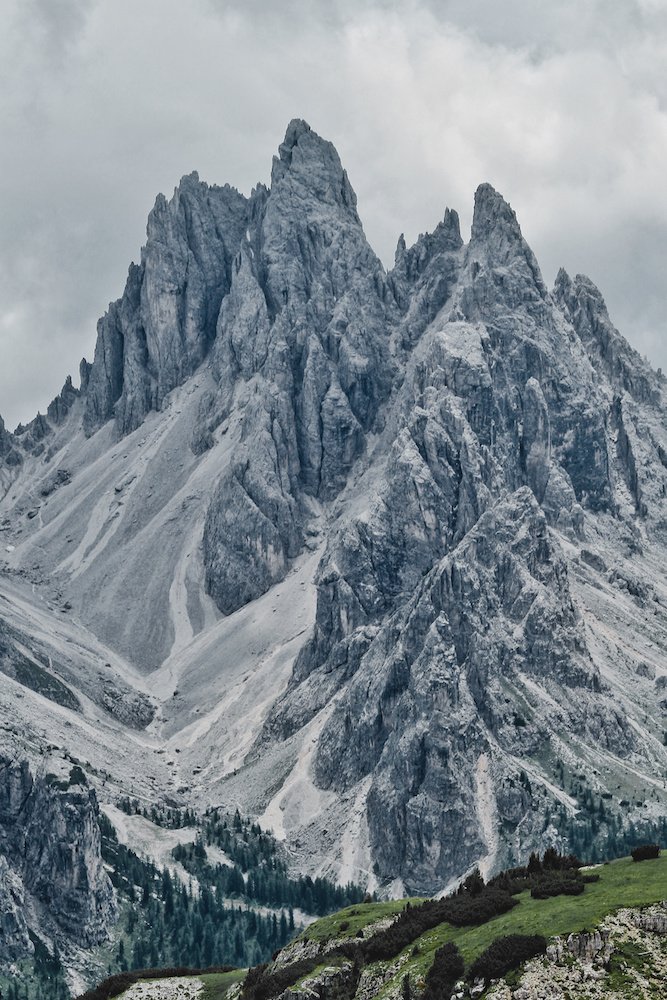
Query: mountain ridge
379, 553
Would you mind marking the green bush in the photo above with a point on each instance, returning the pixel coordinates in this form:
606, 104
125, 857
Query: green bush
447, 968
645, 852
505, 954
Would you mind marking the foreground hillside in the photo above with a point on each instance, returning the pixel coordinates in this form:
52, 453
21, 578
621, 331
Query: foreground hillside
608, 941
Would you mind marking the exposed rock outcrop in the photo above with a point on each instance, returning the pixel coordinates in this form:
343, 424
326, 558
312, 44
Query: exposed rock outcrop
15, 940
592, 965
50, 852
305, 330
163, 327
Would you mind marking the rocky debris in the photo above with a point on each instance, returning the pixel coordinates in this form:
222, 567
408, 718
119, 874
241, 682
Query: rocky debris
302, 949
15, 662
133, 708
374, 977
55, 481
46, 670
580, 967
176, 988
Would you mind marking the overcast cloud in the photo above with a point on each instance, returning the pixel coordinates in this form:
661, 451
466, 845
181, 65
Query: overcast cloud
103, 103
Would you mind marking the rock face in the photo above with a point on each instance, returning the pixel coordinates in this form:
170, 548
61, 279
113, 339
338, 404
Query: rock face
593, 946
394, 542
50, 855
16, 943
304, 330
159, 332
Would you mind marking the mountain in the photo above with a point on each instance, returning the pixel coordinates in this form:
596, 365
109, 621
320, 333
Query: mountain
375, 557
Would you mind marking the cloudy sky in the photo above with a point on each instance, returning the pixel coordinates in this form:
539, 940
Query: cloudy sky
562, 106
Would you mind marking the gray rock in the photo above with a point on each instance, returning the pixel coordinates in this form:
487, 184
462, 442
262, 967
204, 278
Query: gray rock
59, 407
653, 920
15, 940
609, 352
305, 322
9, 454
587, 947
485, 461
161, 330
50, 839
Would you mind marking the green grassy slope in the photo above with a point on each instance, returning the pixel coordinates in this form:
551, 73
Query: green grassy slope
217, 984
347, 922
623, 883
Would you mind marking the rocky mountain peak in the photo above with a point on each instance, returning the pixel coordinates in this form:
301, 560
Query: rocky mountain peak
563, 287
9, 454
296, 128
583, 304
312, 167
502, 271
492, 214
496, 235
394, 530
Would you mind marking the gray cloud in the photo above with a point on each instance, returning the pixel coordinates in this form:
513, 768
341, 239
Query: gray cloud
103, 103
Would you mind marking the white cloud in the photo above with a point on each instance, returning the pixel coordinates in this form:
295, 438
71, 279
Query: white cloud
105, 102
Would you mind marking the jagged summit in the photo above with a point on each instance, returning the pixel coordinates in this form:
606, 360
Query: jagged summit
296, 128
313, 167
380, 553
491, 211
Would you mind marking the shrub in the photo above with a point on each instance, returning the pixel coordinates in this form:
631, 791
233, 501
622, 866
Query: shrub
645, 852
448, 966
505, 954
266, 981
461, 910
473, 884
561, 862
557, 884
